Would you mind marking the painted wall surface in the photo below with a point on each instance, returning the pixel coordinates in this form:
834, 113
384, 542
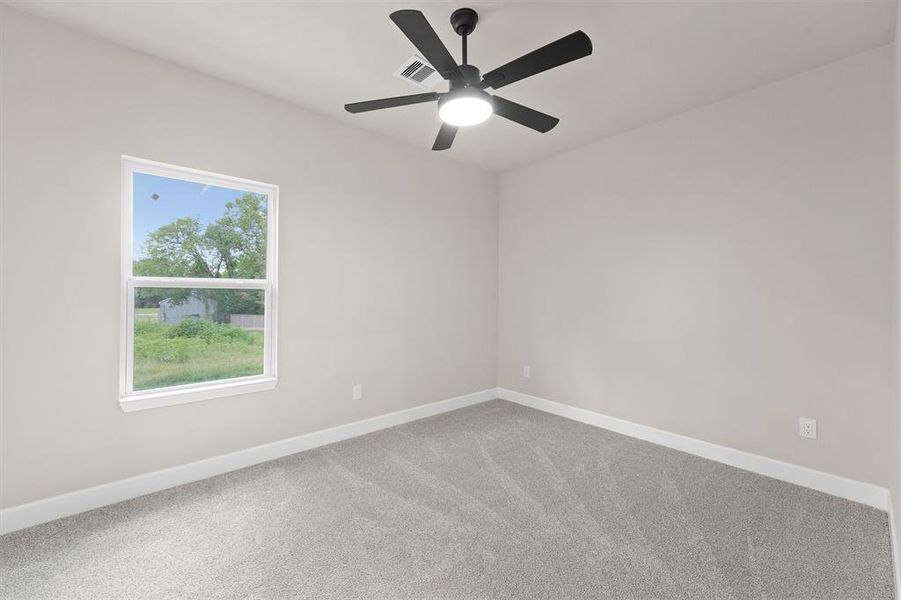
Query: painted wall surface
388, 276
896, 487
719, 274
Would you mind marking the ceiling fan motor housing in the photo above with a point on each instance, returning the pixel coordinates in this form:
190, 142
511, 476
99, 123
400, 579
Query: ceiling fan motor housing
471, 76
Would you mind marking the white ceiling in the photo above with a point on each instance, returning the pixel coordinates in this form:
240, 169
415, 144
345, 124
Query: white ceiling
651, 59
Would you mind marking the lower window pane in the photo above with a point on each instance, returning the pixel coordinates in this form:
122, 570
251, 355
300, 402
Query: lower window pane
186, 335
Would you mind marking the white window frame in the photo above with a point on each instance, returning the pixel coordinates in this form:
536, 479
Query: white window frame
129, 398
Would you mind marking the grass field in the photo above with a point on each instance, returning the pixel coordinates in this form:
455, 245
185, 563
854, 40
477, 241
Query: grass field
192, 351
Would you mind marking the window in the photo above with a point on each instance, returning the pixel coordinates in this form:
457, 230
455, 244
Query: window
198, 285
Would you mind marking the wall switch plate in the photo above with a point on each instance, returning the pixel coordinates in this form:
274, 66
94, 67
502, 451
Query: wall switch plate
807, 428
526, 371
358, 391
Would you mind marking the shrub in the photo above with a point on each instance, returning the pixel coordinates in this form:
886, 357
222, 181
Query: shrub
193, 327
210, 331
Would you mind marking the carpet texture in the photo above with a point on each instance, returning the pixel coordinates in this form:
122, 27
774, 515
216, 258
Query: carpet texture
491, 501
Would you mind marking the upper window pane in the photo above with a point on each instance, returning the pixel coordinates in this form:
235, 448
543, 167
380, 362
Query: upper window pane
189, 229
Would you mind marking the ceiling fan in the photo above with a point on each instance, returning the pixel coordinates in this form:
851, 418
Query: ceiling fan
466, 102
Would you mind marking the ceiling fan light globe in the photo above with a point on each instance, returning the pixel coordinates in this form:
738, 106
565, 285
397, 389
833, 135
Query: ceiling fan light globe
465, 110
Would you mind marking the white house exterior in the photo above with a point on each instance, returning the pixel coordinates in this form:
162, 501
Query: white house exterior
172, 312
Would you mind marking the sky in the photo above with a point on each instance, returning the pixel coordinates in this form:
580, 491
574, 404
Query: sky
176, 199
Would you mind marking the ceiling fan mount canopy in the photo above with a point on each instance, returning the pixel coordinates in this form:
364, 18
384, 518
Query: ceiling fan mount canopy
464, 20
466, 102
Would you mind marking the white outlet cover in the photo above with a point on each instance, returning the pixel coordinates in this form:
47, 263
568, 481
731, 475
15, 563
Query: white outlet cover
527, 371
807, 428
358, 391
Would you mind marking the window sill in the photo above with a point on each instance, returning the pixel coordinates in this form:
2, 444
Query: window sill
159, 399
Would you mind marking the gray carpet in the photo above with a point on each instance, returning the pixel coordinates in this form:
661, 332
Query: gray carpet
492, 501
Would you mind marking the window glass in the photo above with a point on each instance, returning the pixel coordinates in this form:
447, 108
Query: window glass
188, 229
188, 335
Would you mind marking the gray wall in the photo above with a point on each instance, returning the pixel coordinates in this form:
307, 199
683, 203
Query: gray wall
720, 273
388, 277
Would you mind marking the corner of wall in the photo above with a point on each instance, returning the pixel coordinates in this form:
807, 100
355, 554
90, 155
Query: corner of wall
497, 277
895, 505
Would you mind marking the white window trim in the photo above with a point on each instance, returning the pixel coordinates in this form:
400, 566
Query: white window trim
131, 400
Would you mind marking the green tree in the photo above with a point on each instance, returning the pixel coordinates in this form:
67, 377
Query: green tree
233, 246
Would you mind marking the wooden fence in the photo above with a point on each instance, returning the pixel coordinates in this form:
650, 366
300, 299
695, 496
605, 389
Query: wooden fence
248, 322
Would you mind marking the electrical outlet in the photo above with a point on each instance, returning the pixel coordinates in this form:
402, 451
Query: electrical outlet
526, 371
358, 391
807, 428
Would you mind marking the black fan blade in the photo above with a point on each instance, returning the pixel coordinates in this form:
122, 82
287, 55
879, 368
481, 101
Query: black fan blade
415, 26
445, 137
524, 115
358, 107
567, 49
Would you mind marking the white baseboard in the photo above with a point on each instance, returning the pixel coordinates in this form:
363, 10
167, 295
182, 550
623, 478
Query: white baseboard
850, 489
42, 511
48, 509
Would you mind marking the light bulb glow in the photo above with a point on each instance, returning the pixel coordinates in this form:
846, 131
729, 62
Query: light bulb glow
464, 111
